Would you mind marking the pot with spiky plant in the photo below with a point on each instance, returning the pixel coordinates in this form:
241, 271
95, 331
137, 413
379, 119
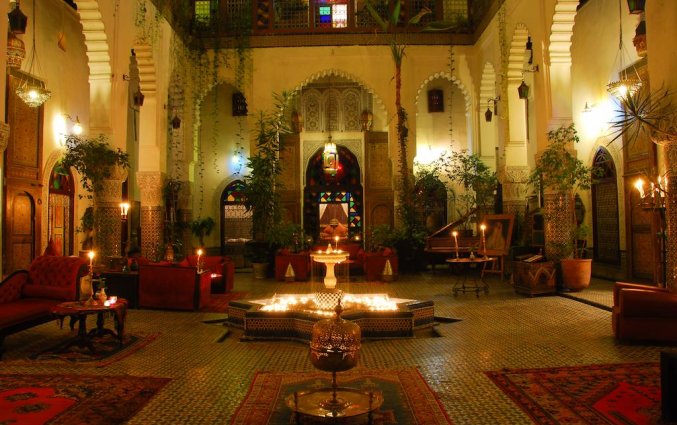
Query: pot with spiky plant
561, 173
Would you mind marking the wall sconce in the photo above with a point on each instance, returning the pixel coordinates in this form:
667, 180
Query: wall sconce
176, 122
530, 48
138, 97
587, 108
366, 120
523, 90
77, 127
124, 209
488, 114
654, 199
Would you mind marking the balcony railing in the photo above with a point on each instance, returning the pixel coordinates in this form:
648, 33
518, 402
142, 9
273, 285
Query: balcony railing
307, 17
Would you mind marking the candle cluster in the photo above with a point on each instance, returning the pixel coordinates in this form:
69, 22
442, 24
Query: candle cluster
655, 197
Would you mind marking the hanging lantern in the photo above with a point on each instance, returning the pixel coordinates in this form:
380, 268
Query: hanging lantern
239, 104
16, 51
330, 159
488, 114
523, 90
636, 6
17, 20
138, 97
176, 122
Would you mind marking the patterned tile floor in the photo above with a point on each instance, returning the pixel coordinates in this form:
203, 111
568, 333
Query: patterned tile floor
499, 330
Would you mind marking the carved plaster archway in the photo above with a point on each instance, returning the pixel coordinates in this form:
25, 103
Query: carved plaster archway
453, 79
96, 40
378, 101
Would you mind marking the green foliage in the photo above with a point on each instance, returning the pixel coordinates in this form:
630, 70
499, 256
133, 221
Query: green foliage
201, 227
557, 168
93, 159
645, 113
287, 235
261, 184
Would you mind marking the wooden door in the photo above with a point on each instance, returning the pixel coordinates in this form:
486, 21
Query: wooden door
23, 181
605, 210
20, 236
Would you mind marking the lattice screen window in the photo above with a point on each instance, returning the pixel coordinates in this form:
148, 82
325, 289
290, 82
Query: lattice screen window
237, 222
416, 6
291, 14
363, 17
238, 15
203, 12
453, 9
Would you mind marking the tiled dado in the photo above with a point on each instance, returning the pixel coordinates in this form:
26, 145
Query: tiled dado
152, 220
108, 231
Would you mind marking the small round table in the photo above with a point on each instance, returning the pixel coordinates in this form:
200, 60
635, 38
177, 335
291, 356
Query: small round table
79, 310
478, 284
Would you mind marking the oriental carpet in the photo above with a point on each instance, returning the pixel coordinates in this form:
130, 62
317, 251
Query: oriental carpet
407, 397
621, 394
74, 399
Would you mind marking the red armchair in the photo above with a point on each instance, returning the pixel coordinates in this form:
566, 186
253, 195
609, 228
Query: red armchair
375, 262
644, 313
300, 262
27, 297
173, 287
222, 270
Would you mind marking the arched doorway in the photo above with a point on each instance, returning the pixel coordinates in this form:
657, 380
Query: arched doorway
60, 221
605, 210
339, 196
236, 221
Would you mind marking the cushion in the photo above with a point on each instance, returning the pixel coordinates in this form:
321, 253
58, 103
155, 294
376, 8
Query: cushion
10, 290
55, 271
184, 263
387, 252
31, 290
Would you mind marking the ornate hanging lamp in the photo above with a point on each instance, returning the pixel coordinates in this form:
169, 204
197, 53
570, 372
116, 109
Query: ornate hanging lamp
30, 88
16, 51
523, 90
330, 158
628, 80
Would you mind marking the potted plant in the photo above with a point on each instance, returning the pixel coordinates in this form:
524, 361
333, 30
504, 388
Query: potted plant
560, 171
261, 184
201, 227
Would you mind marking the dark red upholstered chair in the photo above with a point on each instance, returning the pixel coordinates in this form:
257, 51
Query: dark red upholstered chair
27, 297
644, 313
173, 287
299, 261
375, 262
222, 270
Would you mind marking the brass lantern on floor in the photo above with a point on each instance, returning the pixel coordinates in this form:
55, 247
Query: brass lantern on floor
335, 343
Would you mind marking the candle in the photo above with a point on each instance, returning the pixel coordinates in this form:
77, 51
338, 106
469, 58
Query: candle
639, 185
112, 300
336, 239
483, 227
91, 261
199, 254
455, 234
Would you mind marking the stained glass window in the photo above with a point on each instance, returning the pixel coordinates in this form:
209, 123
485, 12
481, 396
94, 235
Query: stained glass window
237, 221
332, 14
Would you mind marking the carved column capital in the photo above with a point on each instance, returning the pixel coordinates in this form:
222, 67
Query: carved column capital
515, 183
111, 191
150, 187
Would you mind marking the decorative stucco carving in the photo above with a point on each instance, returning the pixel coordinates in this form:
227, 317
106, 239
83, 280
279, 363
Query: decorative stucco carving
4, 136
150, 188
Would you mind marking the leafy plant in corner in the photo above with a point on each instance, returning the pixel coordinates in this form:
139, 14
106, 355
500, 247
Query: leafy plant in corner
261, 184
201, 227
94, 160
558, 169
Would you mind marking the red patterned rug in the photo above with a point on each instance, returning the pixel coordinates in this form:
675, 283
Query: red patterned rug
74, 399
621, 394
107, 351
407, 397
219, 302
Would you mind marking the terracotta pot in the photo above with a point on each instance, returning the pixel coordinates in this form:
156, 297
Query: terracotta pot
576, 273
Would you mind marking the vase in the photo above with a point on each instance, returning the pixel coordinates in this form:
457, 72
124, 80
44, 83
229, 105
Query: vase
101, 295
86, 290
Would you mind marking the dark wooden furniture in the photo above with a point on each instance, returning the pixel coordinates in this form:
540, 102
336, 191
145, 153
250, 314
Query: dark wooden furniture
534, 278
78, 312
123, 285
467, 267
643, 313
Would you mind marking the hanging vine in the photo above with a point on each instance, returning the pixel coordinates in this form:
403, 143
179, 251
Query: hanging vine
452, 68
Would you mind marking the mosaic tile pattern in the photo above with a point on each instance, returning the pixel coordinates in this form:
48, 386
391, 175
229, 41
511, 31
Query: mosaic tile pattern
498, 330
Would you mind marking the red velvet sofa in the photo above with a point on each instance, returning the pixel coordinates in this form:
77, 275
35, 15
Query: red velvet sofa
644, 313
27, 297
222, 270
173, 287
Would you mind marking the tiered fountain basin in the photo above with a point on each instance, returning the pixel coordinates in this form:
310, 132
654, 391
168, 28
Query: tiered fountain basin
292, 316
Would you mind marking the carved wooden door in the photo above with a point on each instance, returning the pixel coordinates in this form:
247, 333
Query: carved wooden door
23, 182
605, 210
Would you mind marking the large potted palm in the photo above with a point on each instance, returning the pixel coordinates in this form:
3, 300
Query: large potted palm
261, 194
560, 172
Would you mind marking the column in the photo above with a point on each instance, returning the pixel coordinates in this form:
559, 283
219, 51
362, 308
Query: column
152, 215
108, 224
557, 212
671, 214
515, 189
185, 215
